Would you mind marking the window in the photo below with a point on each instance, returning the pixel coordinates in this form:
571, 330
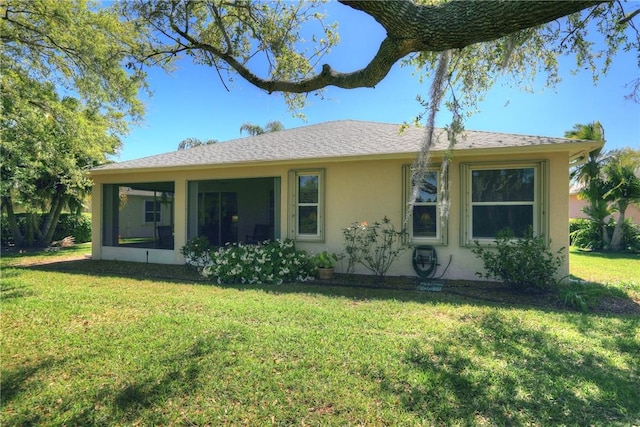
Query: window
152, 211
306, 193
424, 222
497, 197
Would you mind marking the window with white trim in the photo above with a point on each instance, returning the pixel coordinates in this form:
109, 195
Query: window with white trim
422, 207
152, 211
503, 196
306, 199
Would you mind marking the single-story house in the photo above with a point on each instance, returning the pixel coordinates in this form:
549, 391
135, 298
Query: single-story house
309, 183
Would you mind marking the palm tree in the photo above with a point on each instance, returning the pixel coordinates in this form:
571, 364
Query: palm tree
623, 187
194, 142
593, 131
253, 130
590, 176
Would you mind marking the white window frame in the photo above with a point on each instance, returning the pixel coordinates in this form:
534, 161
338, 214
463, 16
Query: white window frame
294, 205
539, 203
407, 211
146, 211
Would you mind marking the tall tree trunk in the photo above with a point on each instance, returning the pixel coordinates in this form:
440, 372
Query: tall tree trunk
18, 238
49, 225
606, 239
618, 231
29, 228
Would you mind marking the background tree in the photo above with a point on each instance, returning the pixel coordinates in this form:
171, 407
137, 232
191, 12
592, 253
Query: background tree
590, 178
80, 48
262, 42
253, 130
465, 47
622, 184
194, 142
66, 98
593, 131
47, 145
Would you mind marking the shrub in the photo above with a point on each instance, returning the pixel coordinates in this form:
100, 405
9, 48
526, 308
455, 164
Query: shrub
77, 226
272, 262
6, 239
375, 246
631, 236
197, 252
587, 234
524, 264
325, 259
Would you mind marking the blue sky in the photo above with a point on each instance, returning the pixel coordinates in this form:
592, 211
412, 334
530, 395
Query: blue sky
192, 102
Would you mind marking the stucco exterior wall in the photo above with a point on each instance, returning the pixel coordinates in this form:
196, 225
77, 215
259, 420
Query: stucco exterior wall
358, 190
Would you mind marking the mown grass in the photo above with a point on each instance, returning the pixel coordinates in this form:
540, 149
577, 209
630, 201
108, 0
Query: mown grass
605, 267
82, 344
603, 274
14, 257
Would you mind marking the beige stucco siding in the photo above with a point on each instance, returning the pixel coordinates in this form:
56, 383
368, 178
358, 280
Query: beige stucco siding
355, 191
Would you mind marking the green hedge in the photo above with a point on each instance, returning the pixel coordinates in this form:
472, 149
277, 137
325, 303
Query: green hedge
69, 225
586, 234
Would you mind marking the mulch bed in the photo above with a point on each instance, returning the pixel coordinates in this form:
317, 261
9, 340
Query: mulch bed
494, 292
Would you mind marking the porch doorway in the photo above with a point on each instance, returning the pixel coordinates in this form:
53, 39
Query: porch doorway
229, 211
218, 219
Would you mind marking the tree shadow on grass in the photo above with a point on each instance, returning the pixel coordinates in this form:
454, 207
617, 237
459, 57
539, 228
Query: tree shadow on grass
499, 372
14, 380
12, 289
141, 397
494, 370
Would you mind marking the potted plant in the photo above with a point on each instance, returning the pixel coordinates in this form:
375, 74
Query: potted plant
325, 264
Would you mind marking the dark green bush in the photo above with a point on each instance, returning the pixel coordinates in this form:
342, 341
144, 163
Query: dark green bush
524, 264
587, 234
72, 225
69, 225
631, 236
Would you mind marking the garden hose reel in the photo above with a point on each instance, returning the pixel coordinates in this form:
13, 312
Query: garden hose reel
425, 261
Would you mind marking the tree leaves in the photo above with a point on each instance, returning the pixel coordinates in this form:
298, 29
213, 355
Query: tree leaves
66, 99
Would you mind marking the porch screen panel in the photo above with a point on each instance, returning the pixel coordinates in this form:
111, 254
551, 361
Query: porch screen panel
138, 215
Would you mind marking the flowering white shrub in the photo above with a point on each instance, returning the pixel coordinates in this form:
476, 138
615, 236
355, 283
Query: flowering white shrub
264, 263
197, 253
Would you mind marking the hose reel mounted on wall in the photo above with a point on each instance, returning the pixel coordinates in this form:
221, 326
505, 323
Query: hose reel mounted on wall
425, 261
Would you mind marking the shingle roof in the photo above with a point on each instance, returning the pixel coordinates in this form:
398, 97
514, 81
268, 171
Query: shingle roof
329, 140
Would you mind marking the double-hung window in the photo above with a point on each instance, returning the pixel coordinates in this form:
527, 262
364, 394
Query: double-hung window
152, 211
422, 206
503, 196
306, 200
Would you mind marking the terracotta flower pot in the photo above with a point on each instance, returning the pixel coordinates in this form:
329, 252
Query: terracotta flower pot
325, 273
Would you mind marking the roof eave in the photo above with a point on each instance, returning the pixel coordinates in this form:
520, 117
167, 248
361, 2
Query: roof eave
576, 151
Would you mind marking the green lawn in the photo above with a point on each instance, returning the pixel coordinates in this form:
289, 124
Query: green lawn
106, 343
605, 267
